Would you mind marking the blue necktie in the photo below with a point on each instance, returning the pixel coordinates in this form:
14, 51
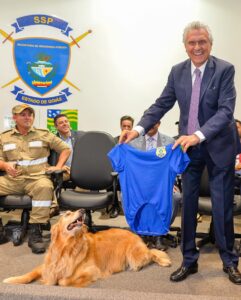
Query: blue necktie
193, 111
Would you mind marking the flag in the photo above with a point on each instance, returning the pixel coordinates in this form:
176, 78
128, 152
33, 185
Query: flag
72, 115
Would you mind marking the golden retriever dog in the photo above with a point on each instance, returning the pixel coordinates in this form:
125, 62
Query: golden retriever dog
77, 257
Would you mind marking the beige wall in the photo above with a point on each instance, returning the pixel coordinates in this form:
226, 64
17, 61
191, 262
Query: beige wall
122, 67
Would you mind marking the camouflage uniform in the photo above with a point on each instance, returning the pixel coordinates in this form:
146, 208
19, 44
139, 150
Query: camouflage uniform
30, 153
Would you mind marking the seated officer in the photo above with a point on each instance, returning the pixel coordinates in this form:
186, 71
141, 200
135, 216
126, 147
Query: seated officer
24, 152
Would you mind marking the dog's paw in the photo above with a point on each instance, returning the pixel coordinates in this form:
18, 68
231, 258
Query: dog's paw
63, 282
161, 258
166, 262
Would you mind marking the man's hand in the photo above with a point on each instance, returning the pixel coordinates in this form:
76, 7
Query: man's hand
238, 167
10, 169
66, 169
175, 189
127, 136
186, 141
53, 168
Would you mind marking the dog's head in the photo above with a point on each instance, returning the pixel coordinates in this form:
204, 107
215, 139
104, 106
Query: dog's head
70, 224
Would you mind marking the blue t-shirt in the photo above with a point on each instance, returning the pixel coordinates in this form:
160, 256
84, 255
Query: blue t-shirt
146, 180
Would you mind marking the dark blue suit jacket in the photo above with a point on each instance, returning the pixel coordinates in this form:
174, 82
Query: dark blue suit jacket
217, 102
74, 136
54, 156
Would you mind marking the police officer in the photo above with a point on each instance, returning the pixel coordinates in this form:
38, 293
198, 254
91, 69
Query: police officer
24, 152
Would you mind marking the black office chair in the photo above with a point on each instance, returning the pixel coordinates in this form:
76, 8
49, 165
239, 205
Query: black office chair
16, 230
52, 160
205, 208
91, 170
12, 202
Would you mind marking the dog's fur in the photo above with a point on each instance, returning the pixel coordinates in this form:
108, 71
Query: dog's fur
76, 257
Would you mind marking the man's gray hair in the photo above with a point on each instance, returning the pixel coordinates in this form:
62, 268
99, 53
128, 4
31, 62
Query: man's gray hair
197, 25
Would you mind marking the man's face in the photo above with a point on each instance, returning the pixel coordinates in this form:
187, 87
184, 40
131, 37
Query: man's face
62, 125
24, 120
239, 129
126, 125
198, 46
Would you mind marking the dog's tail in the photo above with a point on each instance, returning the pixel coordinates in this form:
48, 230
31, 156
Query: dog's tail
160, 257
26, 278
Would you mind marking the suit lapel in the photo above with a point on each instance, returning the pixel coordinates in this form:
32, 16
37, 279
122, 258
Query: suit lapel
187, 80
208, 73
72, 138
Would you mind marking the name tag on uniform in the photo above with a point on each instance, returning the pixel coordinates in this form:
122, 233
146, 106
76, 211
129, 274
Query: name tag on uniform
36, 144
7, 147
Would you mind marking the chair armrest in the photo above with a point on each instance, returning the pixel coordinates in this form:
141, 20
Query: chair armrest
115, 177
55, 173
114, 174
57, 179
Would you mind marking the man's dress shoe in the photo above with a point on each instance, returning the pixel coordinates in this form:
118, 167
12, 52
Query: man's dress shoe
233, 274
182, 272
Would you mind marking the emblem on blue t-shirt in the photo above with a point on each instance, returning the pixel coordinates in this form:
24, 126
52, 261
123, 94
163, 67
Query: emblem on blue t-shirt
161, 151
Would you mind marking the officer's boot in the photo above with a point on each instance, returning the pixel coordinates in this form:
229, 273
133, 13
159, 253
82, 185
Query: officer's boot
3, 237
35, 240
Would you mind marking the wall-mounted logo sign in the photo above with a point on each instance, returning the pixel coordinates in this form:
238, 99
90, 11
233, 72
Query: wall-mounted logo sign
42, 63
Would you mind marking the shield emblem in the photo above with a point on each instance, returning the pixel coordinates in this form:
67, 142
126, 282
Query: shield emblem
41, 63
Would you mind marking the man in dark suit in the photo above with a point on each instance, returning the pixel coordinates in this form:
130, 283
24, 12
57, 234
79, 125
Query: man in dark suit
212, 142
69, 136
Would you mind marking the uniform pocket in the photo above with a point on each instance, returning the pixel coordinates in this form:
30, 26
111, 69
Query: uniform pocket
10, 151
38, 149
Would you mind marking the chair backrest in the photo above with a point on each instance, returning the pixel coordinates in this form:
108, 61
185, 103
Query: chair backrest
91, 168
52, 159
